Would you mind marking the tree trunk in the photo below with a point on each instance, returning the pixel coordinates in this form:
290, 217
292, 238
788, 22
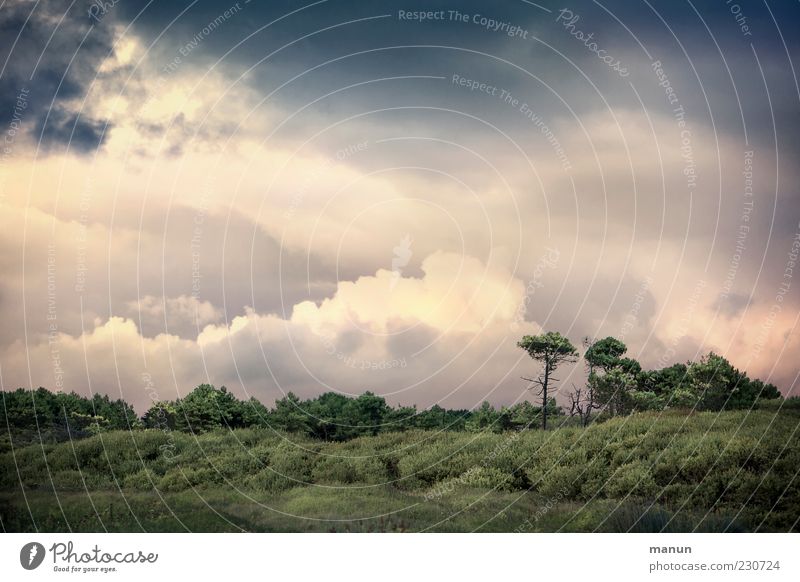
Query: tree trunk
544, 395
589, 407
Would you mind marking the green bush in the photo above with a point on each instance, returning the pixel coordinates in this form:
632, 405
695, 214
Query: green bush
144, 480
487, 478
364, 470
632, 479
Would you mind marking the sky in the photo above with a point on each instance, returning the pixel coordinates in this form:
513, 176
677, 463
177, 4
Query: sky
386, 196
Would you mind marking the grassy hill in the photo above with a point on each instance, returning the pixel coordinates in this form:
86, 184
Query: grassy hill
667, 471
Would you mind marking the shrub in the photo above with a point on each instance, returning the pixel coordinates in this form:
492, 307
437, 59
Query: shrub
487, 478
562, 481
144, 480
632, 479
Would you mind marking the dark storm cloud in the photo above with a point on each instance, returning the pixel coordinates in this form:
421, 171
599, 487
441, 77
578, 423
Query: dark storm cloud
320, 31
304, 35
716, 72
62, 128
729, 61
315, 32
54, 54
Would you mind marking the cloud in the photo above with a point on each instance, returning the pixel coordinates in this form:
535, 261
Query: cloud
367, 335
456, 294
180, 315
54, 55
62, 128
732, 304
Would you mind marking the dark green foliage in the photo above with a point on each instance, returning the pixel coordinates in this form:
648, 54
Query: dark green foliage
206, 408
364, 415
330, 416
604, 353
290, 415
162, 415
437, 417
550, 348
710, 384
43, 416
664, 381
333, 416
614, 390
618, 385
253, 413
487, 418
717, 385
704, 448
525, 415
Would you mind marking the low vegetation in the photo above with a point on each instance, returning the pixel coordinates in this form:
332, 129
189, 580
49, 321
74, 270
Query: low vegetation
650, 471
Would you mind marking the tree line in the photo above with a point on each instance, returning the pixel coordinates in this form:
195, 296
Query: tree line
616, 385
41, 415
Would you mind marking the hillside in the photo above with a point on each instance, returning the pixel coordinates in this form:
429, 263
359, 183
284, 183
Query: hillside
650, 471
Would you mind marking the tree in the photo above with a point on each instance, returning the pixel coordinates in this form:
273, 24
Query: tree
717, 385
604, 353
119, 414
434, 417
364, 415
665, 381
161, 415
645, 400
525, 415
399, 419
206, 408
613, 390
762, 391
612, 380
482, 418
440, 418
87, 423
551, 349
325, 416
289, 415
713, 380
253, 413
601, 356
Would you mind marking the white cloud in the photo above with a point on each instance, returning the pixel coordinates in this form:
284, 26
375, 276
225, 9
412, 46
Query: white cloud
467, 308
456, 294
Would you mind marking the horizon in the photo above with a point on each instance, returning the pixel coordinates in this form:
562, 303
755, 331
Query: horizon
528, 396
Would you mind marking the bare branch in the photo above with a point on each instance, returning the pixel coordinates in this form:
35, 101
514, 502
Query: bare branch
538, 381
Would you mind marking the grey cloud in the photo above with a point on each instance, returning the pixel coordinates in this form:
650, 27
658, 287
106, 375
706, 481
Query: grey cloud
61, 128
53, 55
732, 304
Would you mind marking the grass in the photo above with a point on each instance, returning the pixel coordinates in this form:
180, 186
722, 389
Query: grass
730, 471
